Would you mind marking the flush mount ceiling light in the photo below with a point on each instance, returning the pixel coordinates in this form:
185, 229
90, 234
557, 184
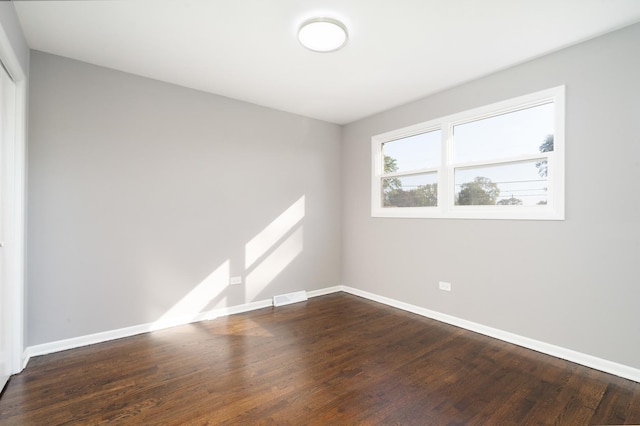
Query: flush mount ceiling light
323, 34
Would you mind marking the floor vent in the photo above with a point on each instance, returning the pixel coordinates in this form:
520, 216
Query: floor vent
289, 298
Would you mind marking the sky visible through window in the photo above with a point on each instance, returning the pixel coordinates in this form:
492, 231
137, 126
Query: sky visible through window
415, 152
503, 136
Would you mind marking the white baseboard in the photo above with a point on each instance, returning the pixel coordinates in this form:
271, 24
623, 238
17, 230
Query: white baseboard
607, 366
105, 336
324, 291
91, 339
590, 361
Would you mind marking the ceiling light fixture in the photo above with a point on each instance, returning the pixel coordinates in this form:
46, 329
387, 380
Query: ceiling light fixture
323, 35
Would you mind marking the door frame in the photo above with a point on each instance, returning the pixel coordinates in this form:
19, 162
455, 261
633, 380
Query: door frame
14, 217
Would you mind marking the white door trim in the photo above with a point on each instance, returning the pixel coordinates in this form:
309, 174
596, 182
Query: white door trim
15, 168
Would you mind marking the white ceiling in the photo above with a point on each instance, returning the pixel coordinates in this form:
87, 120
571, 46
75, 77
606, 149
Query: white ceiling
247, 49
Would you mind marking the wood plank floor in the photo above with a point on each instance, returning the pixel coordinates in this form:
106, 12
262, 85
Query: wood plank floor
334, 360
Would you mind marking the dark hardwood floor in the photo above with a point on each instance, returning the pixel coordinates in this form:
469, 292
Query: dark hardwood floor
334, 360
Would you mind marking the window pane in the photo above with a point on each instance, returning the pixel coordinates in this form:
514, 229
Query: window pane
412, 153
516, 133
523, 183
410, 191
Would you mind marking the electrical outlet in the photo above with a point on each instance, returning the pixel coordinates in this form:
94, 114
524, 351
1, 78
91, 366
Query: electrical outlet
235, 280
444, 286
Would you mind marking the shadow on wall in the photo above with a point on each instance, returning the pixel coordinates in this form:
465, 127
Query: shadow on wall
265, 256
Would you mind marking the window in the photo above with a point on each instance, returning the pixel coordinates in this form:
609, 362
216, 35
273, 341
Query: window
411, 170
501, 161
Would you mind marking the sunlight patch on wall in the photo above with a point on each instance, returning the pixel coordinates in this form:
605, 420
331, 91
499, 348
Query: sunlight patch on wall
274, 232
274, 264
266, 256
191, 305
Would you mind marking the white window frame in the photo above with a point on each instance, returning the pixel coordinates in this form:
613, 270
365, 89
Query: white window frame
446, 208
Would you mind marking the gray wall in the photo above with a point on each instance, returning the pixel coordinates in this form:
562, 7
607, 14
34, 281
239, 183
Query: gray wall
139, 190
573, 283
